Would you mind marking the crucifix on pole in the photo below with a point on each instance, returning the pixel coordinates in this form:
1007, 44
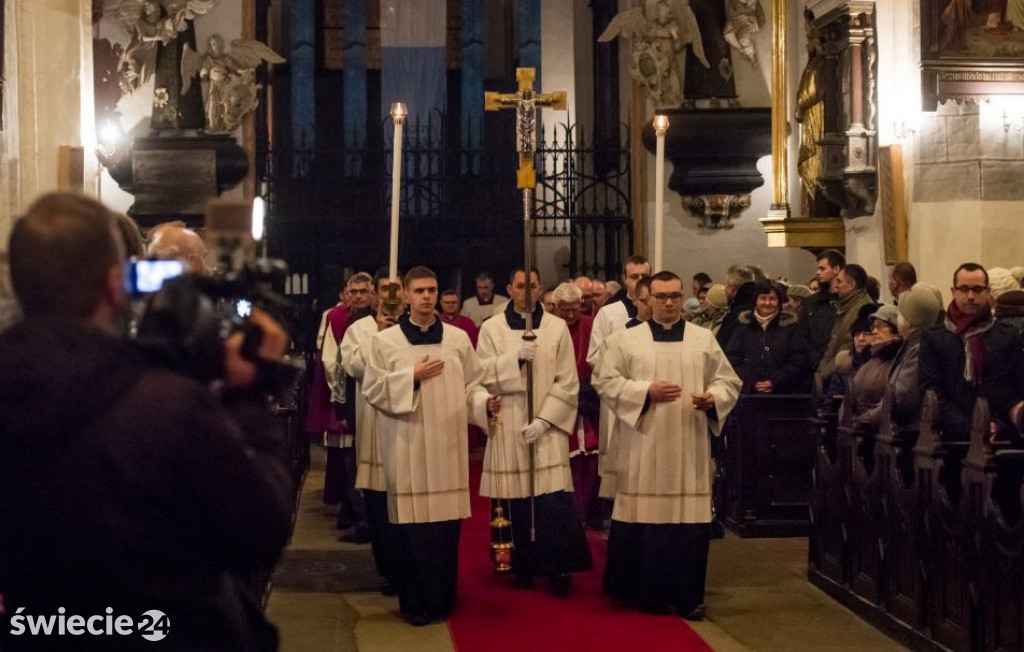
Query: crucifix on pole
526, 103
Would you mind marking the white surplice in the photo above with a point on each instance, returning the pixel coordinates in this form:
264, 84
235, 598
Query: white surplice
355, 348
423, 431
506, 469
663, 458
610, 320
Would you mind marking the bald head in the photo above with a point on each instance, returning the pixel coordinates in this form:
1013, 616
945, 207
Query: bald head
586, 287
170, 241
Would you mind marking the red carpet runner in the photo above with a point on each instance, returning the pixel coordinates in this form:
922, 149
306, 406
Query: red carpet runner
492, 616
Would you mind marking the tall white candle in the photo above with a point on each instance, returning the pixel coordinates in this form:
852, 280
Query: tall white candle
398, 114
660, 127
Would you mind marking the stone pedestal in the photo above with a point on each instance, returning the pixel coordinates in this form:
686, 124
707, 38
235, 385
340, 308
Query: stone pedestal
173, 177
714, 154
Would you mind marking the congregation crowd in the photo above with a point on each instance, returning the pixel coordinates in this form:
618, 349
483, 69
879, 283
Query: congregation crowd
599, 385
596, 404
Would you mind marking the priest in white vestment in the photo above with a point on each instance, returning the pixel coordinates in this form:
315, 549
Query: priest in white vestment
424, 378
560, 546
666, 383
354, 351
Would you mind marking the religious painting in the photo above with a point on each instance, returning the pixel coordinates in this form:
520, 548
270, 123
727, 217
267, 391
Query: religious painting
971, 49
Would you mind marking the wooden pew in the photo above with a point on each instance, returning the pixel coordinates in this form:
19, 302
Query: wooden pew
770, 443
829, 511
903, 540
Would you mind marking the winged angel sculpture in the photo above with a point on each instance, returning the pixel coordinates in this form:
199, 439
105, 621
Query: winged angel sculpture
232, 90
149, 23
658, 37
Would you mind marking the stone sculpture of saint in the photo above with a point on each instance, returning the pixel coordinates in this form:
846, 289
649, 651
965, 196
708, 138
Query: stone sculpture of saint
658, 38
231, 76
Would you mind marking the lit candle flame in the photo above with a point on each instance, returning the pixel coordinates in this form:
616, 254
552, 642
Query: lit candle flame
660, 124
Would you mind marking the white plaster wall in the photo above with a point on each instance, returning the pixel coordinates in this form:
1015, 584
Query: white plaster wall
225, 19
689, 249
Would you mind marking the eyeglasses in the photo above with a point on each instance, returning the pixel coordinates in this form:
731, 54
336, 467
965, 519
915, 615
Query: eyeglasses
968, 289
363, 291
662, 297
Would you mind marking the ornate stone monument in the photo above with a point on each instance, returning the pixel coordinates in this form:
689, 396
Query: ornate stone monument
189, 156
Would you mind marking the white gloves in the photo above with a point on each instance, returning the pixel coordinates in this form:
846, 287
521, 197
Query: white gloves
527, 350
535, 430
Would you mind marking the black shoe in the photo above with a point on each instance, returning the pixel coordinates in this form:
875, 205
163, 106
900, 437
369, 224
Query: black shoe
717, 530
696, 615
420, 619
387, 587
560, 585
523, 582
359, 533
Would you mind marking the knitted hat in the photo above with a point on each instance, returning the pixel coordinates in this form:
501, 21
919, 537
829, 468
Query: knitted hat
1001, 281
886, 313
1018, 273
799, 291
1010, 304
691, 306
716, 297
931, 288
920, 307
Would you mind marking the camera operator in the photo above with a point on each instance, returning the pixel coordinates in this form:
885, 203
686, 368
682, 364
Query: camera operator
125, 485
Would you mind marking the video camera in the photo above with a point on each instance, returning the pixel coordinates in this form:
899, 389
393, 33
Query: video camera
185, 317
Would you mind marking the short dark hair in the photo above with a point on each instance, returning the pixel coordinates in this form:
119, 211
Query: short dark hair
419, 272
636, 259
834, 258
665, 276
644, 282
522, 268
702, 278
905, 273
971, 267
857, 274
61, 251
449, 293
766, 287
873, 288
485, 276
384, 274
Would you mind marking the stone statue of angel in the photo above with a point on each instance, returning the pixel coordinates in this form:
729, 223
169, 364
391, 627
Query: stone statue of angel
150, 23
232, 89
744, 18
658, 36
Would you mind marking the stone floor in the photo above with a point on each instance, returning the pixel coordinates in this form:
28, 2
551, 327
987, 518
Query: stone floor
758, 598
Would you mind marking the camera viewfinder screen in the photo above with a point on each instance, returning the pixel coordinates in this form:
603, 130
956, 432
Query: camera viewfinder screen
151, 274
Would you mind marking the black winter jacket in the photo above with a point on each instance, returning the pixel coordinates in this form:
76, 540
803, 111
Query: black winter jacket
127, 486
941, 367
778, 354
816, 323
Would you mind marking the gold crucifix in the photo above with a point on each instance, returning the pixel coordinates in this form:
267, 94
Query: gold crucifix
525, 102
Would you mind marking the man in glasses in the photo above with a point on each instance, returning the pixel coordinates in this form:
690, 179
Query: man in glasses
970, 355
667, 382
